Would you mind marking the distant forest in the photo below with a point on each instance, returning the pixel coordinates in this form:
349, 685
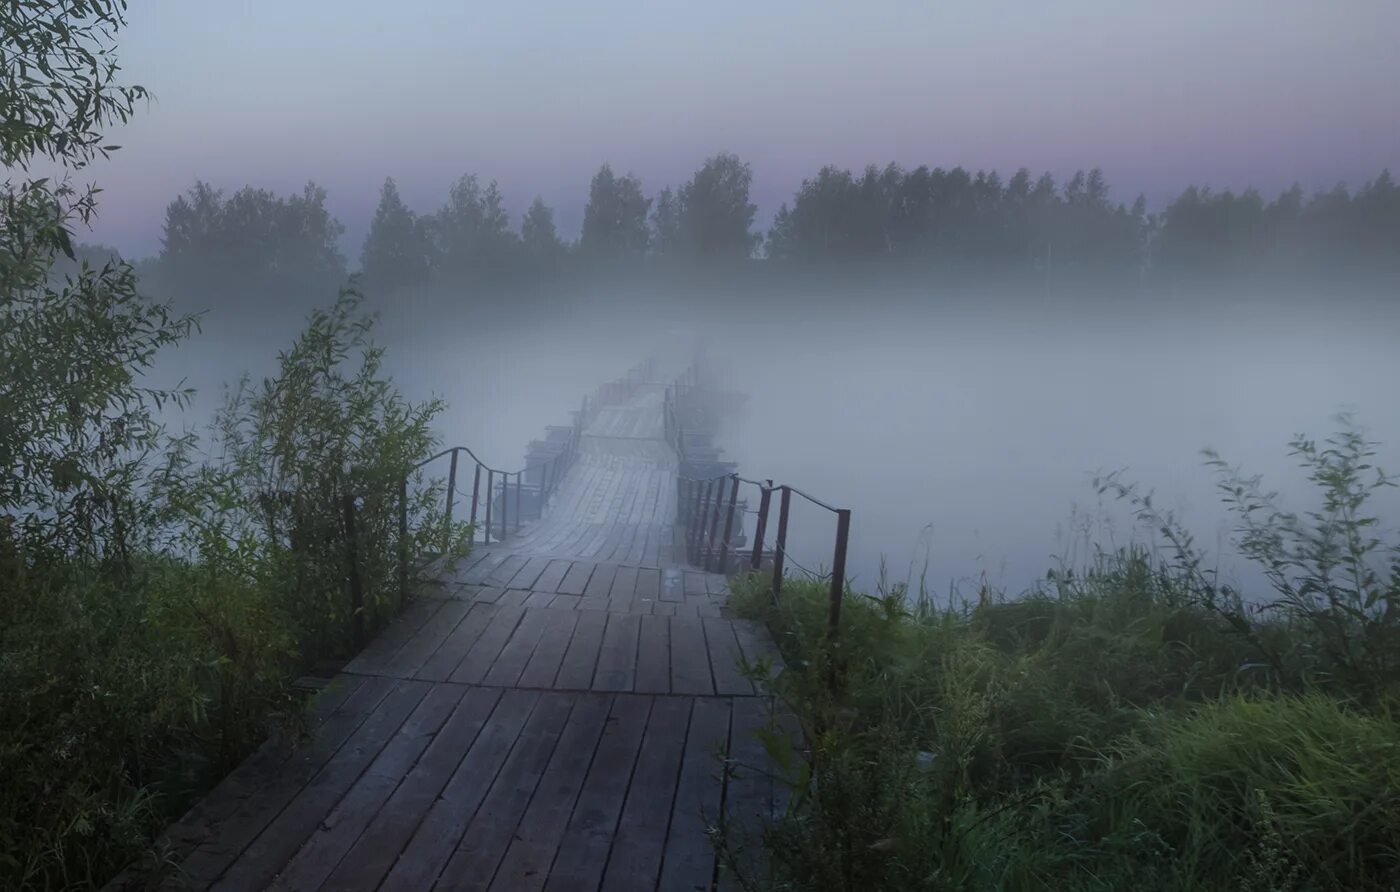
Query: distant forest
923, 218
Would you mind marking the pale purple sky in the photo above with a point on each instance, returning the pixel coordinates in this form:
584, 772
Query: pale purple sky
537, 94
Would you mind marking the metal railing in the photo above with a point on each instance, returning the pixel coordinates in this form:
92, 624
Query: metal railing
712, 513
708, 509
501, 500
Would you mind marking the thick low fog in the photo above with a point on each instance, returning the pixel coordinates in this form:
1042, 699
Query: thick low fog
962, 426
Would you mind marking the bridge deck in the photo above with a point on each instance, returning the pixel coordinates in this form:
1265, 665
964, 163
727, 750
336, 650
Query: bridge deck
547, 717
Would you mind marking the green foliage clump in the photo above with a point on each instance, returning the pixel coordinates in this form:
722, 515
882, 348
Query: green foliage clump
1132, 726
158, 600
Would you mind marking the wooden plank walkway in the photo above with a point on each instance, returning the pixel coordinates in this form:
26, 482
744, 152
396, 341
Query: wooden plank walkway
549, 716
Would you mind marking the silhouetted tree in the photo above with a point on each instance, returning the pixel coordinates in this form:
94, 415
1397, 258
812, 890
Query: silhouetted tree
713, 212
251, 245
473, 232
666, 224
540, 244
615, 220
398, 250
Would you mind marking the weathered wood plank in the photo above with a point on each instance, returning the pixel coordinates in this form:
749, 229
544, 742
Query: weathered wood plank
653, 656
648, 583
372, 857
749, 792
690, 661
506, 570
549, 652
617, 660
583, 850
551, 577
443, 661
576, 670
259, 806
724, 653
529, 574
624, 584
436, 837
600, 583
576, 580
411, 657
517, 652
372, 660
285, 834
689, 861
634, 861
489, 834
527, 860
337, 832
484, 651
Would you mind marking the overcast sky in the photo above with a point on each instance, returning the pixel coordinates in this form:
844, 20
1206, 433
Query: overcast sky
537, 94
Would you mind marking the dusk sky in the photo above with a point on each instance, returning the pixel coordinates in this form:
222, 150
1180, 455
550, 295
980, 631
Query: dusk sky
536, 95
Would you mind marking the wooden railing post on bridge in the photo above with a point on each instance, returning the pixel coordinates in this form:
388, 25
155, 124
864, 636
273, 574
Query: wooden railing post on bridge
728, 526
451, 498
505, 505
761, 525
714, 520
838, 581
490, 497
780, 546
476, 490
517, 500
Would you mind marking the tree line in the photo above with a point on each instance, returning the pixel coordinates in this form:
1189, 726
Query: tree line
951, 218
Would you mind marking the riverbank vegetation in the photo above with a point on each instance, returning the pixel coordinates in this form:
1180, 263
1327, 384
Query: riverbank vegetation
160, 591
1134, 724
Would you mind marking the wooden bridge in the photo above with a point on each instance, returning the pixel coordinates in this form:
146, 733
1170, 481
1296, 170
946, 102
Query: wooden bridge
565, 710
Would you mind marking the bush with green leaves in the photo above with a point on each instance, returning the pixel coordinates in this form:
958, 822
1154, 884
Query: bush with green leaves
158, 596
1135, 725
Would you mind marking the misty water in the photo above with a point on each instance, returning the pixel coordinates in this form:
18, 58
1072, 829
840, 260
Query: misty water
963, 433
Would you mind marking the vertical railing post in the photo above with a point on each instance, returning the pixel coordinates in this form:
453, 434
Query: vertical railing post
352, 554
838, 581
451, 498
728, 526
714, 519
780, 546
505, 505
476, 490
490, 498
698, 528
403, 542
761, 525
517, 501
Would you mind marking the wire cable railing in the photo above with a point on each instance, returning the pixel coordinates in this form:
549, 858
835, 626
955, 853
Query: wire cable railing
711, 512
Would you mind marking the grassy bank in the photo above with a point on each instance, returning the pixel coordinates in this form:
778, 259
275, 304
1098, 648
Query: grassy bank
1131, 726
159, 594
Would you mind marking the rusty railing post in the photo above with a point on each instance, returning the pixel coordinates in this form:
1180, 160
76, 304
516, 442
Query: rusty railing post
476, 490
517, 501
451, 497
838, 581
780, 546
701, 510
490, 497
728, 526
714, 519
505, 505
761, 525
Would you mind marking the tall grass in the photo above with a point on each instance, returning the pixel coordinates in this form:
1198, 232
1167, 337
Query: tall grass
159, 595
1131, 726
